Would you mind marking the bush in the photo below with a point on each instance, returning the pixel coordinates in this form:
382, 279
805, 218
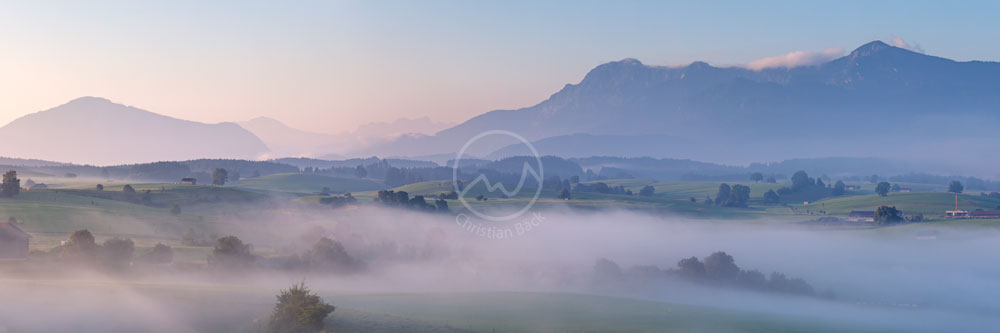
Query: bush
80, 247
160, 254
647, 191
328, 254
117, 252
299, 310
230, 252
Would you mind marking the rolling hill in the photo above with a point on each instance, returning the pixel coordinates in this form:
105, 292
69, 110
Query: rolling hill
304, 184
92, 130
879, 100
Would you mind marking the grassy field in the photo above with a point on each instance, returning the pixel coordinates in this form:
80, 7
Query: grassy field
930, 204
71, 204
235, 307
305, 184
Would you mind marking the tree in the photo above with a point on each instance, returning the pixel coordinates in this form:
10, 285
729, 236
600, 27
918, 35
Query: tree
175, 210
738, 196
873, 179
839, 188
117, 252
819, 182
219, 176
360, 172
771, 197
771, 180
756, 177
882, 189
128, 189
722, 196
298, 310
100, 187
328, 254
691, 268
230, 252
801, 181
721, 267
11, 185
442, 205
28, 184
80, 246
564, 194
160, 254
887, 215
955, 186
647, 191
607, 271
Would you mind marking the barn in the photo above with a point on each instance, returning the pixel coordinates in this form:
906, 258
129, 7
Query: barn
13, 242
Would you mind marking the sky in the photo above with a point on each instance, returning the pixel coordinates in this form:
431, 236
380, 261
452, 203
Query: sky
331, 66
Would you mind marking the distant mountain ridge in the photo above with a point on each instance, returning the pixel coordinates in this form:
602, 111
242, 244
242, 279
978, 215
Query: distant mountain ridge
92, 130
870, 101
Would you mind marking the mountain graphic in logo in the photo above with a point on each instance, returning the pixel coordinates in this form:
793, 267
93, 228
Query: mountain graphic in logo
491, 187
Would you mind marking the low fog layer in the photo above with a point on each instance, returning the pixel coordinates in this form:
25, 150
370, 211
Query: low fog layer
881, 278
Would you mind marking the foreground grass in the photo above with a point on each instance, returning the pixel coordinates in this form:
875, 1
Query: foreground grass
236, 307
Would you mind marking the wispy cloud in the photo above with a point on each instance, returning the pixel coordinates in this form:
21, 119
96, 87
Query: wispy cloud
796, 59
900, 43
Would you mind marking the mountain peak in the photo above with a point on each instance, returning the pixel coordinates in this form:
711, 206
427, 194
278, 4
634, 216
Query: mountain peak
630, 61
89, 100
873, 47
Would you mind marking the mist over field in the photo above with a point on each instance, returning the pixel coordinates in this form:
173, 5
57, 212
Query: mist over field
888, 280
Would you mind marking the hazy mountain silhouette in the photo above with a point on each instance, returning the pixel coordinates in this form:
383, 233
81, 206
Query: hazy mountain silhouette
862, 104
286, 141
94, 130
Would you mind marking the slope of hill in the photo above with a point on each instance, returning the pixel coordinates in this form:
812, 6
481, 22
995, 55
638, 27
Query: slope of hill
94, 130
301, 183
870, 102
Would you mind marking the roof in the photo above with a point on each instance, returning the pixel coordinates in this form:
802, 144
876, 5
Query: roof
985, 213
9, 231
862, 213
187, 179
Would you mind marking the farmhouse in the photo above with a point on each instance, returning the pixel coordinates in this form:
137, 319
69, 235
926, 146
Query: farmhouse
13, 242
985, 214
861, 216
957, 213
189, 181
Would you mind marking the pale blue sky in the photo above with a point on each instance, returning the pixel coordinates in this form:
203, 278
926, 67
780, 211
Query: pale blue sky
330, 66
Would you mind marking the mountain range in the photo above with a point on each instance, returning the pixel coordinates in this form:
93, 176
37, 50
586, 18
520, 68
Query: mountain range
94, 130
878, 100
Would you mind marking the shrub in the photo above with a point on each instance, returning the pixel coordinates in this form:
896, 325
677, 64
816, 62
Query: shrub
117, 252
160, 254
230, 252
80, 247
298, 310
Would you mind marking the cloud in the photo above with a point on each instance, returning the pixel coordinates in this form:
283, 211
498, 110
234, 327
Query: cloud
900, 43
796, 59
